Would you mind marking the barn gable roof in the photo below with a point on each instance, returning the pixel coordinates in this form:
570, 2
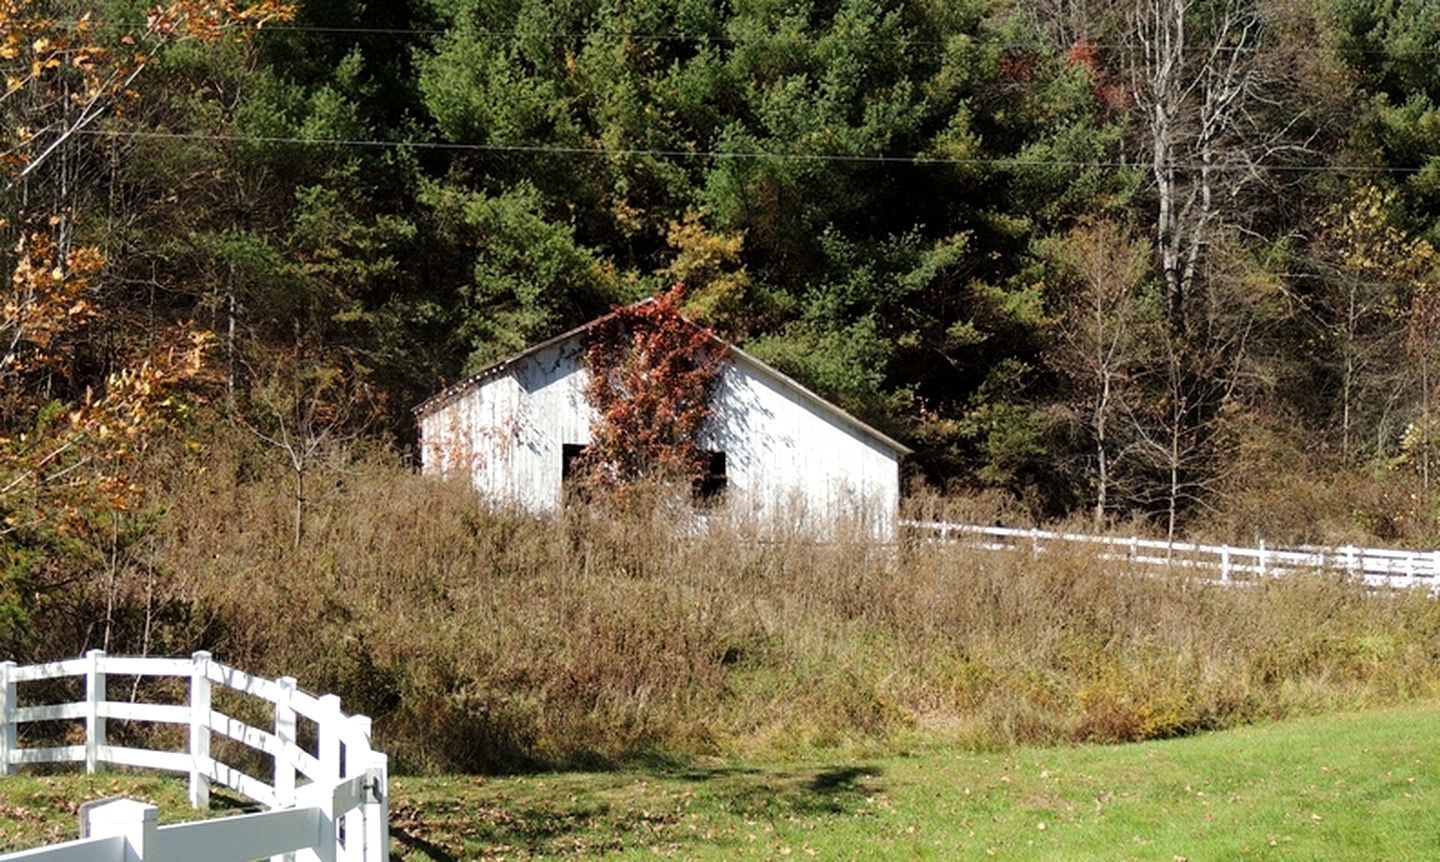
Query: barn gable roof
779, 380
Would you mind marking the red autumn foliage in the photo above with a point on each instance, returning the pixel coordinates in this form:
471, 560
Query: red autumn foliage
653, 376
1082, 53
1015, 68
1112, 98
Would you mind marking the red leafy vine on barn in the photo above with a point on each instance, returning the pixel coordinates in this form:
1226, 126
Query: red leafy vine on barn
653, 376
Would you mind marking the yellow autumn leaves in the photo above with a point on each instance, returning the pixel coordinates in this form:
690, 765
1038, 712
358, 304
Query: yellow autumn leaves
68, 430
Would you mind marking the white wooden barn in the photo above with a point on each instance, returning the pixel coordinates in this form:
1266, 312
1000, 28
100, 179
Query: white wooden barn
779, 453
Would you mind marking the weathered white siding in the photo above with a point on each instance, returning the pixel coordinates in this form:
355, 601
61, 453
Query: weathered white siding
792, 461
507, 431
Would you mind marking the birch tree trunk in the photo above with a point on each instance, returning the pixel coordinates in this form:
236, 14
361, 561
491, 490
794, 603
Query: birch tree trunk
1107, 321
1197, 78
1195, 91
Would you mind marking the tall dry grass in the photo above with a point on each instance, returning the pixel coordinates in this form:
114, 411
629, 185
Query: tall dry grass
483, 639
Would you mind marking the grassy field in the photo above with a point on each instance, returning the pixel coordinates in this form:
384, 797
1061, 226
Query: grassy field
1361, 786
485, 640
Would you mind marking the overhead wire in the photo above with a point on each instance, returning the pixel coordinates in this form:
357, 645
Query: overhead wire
686, 153
703, 38
731, 155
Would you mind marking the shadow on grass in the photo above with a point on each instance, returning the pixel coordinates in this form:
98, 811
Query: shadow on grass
415, 844
776, 794
602, 812
227, 801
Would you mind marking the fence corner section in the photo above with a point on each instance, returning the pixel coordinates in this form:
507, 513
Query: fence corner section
200, 730
7, 718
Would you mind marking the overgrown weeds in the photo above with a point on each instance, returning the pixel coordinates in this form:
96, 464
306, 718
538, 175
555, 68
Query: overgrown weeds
487, 639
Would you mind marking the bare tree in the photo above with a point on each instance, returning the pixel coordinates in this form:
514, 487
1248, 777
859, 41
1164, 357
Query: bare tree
1066, 23
1366, 267
1197, 91
1423, 344
307, 414
1197, 387
1106, 323
1212, 92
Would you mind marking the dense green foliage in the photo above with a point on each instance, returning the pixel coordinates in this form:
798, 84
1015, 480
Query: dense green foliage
889, 200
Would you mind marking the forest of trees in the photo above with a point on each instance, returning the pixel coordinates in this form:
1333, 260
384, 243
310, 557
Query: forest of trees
1170, 261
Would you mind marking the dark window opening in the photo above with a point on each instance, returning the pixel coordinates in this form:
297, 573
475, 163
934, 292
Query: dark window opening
572, 465
709, 487
570, 454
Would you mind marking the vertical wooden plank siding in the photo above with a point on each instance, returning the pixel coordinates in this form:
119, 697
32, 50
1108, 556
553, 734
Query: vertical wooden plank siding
796, 464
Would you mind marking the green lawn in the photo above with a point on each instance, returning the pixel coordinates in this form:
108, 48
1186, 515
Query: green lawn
1362, 786
36, 811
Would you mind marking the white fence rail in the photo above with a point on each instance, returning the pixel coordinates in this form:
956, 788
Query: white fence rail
1378, 567
327, 804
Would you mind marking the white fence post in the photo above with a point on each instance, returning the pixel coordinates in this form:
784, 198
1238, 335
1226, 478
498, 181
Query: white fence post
377, 811
7, 718
136, 822
285, 736
1262, 558
321, 795
200, 730
1224, 563
328, 753
329, 741
355, 821
94, 722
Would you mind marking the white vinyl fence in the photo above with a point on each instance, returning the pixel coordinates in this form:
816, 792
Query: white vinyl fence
1377, 567
328, 803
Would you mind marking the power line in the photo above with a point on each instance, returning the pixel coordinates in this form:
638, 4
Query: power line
703, 38
727, 155
698, 38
